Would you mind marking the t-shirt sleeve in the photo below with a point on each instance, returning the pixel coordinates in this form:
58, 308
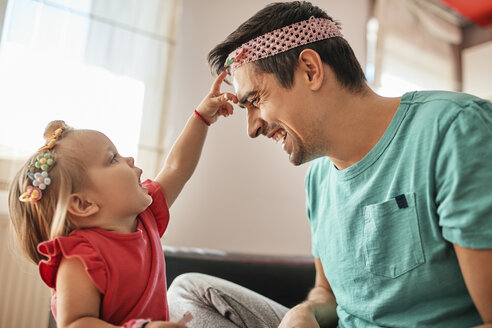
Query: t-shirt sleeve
72, 246
464, 178
159, 207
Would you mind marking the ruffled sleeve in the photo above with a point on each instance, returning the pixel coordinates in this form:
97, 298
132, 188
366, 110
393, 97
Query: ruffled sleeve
69, 247
159, 205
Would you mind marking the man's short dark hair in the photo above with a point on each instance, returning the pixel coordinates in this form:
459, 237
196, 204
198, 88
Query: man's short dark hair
336, 52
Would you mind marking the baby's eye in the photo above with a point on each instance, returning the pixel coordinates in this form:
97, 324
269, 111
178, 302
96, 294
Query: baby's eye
114, 158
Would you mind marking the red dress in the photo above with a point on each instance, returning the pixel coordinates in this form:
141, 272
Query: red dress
128, 269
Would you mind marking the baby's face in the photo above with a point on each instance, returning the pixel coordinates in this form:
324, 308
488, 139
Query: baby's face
113, 180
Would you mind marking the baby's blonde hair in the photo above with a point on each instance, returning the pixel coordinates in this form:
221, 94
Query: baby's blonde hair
46, 219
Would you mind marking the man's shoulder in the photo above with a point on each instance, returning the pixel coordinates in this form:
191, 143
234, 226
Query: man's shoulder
438, 109
442, 101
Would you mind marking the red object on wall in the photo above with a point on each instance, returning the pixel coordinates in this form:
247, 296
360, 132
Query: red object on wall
478, 11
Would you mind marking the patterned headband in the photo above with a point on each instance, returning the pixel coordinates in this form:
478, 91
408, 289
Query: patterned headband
38, 170
281, 40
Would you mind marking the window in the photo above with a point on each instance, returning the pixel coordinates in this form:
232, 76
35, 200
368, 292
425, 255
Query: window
410, 49
98, 65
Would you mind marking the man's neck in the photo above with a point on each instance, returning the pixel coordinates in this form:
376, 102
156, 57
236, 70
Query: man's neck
360, 122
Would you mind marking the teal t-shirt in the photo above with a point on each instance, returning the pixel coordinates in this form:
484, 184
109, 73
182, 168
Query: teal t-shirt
384, 227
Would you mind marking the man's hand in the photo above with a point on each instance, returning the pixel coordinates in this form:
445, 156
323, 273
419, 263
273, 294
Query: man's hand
300, 316
319, 308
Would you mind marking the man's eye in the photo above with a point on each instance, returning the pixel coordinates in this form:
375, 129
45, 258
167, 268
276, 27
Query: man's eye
254, 102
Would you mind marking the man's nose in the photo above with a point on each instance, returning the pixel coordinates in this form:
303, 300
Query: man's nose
256, 125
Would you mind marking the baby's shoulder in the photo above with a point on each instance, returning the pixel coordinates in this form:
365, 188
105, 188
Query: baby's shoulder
76, 245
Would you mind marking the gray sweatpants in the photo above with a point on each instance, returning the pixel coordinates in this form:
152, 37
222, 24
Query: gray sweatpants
218, 303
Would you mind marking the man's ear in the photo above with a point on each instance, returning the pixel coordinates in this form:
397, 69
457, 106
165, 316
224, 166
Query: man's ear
312, 67
79, 206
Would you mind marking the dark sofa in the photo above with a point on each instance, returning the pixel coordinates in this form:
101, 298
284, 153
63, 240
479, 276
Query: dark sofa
285, 279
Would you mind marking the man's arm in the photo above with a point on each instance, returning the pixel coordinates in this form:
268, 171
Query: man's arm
318, 310
476, 266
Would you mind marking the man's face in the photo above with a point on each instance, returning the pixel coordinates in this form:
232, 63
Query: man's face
278, 113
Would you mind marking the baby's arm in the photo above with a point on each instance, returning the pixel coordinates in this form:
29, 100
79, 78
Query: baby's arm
78, 299
184, 155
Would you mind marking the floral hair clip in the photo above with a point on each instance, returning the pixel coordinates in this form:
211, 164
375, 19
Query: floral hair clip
40, 180
43, 162
31, 195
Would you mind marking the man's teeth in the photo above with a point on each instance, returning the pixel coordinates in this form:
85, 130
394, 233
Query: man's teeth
280, 136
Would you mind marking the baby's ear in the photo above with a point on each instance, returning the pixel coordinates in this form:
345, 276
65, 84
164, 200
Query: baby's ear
79, 206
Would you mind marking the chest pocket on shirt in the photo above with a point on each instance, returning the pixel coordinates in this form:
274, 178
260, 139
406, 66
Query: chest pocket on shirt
392, 243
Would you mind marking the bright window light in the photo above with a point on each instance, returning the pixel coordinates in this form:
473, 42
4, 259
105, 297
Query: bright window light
393, 86
39, 84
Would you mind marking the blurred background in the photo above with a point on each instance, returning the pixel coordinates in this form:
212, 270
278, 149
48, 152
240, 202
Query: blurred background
136, 70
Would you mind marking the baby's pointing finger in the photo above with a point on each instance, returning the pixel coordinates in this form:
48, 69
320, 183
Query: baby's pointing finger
231, 97
218, 82
223, 98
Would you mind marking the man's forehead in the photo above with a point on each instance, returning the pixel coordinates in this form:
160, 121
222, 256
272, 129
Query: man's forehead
246, 79
235, 84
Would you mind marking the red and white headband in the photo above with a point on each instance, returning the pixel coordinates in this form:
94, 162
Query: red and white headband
281, 40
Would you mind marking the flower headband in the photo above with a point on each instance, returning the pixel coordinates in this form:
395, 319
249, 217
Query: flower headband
41, 179
281, 40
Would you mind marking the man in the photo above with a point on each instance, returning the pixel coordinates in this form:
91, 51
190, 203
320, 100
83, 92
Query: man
399, 193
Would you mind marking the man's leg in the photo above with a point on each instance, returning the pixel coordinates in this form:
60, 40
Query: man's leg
215, 302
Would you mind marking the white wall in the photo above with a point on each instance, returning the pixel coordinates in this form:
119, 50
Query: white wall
245, 195
477, 70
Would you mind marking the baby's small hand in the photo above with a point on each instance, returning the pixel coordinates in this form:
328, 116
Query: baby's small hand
217, 103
